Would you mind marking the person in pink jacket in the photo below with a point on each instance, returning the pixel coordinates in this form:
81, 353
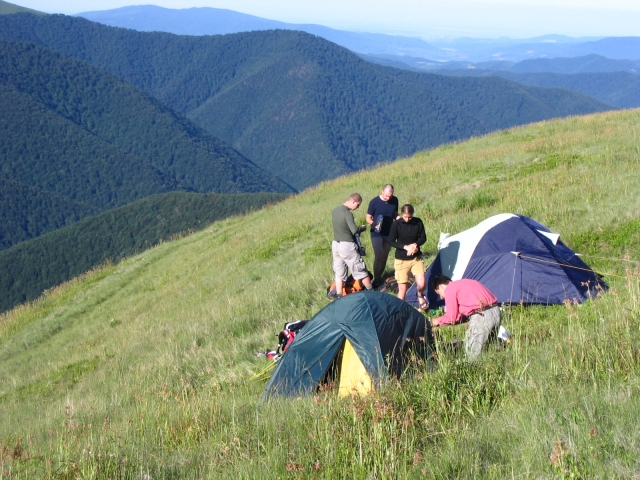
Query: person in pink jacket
469, 301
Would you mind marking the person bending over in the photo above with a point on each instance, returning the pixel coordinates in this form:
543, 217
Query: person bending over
343, 248
469, 301
407, 234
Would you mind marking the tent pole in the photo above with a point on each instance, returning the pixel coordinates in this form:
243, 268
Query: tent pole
513, 281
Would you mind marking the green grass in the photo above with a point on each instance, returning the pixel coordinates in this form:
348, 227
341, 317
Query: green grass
144, 369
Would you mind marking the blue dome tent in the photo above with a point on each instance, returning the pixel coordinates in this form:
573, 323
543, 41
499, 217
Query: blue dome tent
518, 259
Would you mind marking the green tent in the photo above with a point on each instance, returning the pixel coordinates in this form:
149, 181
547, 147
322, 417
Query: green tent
381, 330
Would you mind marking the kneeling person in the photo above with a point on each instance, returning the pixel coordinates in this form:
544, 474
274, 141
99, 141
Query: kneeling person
464, 300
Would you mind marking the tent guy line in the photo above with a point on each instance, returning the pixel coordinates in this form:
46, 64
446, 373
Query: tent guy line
610, 258
565, 265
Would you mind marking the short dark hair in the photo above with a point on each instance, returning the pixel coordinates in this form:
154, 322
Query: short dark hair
438, 280
355, 197
407, 208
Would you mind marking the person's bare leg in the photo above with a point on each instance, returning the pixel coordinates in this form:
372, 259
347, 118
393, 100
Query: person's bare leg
402, 290
420, 284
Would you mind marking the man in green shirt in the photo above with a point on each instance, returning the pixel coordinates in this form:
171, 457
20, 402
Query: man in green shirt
344, 249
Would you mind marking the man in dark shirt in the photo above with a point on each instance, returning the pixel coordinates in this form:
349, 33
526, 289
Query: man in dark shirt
344, 249
382, 211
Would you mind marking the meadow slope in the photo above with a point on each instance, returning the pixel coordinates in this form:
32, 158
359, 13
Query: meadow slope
143, 369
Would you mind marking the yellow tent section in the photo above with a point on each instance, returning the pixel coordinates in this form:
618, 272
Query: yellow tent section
354, 379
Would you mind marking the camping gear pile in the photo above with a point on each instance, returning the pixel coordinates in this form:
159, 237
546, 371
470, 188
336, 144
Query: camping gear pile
286, 336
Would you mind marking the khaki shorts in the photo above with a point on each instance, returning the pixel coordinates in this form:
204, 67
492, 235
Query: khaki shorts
403, 267
346, 256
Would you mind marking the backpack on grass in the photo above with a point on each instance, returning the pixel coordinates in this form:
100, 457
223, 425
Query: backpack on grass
350, 286
288, 334
285, 338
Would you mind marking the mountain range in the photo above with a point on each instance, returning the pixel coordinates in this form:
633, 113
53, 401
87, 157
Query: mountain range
614, 82
218, 21
298, 106
77, 140
618, 89
549, 46
212, 21
564, 65
103, 126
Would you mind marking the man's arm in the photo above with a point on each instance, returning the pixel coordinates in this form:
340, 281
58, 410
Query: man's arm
371, 210
369, 219
351, 223
452, 313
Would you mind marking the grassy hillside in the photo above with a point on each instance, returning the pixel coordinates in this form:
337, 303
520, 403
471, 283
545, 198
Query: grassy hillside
142, 370
298, 106
29, 268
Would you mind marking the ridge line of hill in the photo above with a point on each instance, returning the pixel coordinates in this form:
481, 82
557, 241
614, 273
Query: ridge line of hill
300, 86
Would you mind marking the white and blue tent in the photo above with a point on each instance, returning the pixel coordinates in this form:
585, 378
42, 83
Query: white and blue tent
518, 259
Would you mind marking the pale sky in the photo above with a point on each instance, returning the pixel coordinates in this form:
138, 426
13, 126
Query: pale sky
479, 18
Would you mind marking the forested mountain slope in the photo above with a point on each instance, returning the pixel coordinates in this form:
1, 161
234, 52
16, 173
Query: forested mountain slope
29, 268
564, 65
296, 105
77, 140
618, 89
585, 64
27, 211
